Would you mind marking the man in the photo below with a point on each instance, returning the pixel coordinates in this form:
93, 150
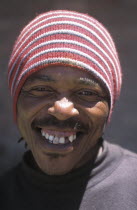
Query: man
64, 76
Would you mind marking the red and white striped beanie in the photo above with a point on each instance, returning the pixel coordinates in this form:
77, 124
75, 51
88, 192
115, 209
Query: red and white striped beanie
65, 38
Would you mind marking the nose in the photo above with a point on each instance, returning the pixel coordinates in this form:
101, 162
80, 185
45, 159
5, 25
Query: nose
63, 109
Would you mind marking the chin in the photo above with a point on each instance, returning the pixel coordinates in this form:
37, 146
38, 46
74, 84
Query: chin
54, 164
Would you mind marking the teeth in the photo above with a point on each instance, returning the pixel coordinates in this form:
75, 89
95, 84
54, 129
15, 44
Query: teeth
51, 138
43, 134
71, 138
56, 140
47, 136
62, 140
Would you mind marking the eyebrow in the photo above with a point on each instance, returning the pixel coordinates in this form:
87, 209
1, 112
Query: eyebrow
87, 81
45, 78
41, 77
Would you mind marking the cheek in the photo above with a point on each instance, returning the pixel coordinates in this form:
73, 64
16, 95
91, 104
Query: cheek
99, 113
23, 120
25, 130
31, 107
23, 126
26, 108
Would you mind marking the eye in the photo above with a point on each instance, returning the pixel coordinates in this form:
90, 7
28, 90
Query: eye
39, 91
88, 95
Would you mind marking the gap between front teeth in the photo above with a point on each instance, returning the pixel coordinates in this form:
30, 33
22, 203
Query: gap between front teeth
56, 139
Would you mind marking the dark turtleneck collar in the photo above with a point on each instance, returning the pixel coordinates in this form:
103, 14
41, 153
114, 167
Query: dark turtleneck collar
78, 177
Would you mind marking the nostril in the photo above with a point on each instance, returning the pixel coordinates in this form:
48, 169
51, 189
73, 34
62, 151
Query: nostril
51, 110
75, 111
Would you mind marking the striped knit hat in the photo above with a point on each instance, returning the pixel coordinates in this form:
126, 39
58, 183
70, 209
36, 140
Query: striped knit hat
65, 38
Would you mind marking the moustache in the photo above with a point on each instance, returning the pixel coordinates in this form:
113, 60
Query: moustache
71, 123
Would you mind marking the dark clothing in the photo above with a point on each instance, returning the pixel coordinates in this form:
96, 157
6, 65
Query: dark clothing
108, 184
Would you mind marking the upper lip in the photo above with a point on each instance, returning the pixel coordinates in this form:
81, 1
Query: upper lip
59, 129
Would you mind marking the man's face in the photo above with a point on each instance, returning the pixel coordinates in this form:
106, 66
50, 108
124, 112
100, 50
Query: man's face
61, 112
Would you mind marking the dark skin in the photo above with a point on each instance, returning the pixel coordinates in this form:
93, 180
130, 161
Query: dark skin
63, 101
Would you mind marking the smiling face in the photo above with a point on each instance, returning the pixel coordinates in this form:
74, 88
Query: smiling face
61, 112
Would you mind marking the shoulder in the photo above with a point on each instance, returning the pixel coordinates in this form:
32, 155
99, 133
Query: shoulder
126, 155
127, 167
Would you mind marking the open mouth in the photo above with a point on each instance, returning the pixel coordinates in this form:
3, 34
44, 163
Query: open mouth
54, 134
59, 137
56, 137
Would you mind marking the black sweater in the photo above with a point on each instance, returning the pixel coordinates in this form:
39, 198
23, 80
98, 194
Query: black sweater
108, 184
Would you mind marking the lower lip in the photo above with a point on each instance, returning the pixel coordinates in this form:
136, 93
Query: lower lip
57, 148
